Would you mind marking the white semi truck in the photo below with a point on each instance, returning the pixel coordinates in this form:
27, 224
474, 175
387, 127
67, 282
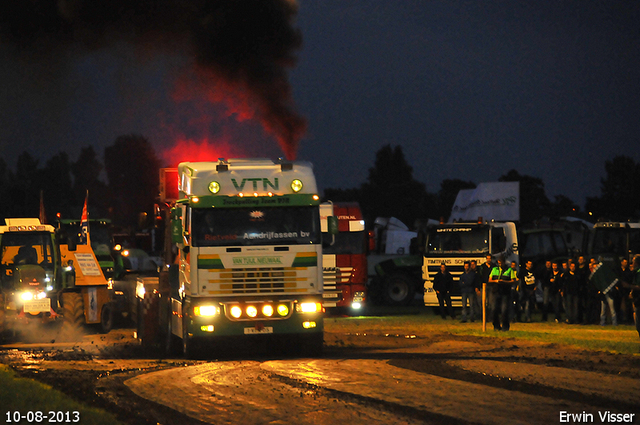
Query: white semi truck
245, 258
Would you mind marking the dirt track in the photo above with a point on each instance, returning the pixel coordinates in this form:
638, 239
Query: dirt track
362, 378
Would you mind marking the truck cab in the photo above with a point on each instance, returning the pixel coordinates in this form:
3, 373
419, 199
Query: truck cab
344, 256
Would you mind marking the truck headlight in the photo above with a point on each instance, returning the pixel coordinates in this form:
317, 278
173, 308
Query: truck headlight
206, 310
26, 296
309, 307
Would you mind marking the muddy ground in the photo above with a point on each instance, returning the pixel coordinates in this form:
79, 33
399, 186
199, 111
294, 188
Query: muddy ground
94, 369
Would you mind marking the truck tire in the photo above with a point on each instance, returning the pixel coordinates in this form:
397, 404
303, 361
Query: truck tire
106, 319
2, 315
73, 310
399, 289
172, 342
188, 348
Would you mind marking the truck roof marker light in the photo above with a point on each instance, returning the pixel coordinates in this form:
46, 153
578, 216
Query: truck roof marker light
270, 194
241, 194
255, 194
296, 185
214, 187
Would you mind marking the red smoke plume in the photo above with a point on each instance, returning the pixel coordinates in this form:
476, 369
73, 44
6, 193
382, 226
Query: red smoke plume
241, 49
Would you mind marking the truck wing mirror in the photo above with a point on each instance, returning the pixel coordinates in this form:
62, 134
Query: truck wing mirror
332, 225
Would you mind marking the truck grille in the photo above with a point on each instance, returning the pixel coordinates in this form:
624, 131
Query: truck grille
260, 280
335, 275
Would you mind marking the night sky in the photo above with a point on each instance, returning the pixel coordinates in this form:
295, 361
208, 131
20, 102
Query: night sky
469, 89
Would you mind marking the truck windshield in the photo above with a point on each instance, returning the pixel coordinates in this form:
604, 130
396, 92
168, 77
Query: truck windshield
457, 240
255, 226
27, 248
610, 241
344, 243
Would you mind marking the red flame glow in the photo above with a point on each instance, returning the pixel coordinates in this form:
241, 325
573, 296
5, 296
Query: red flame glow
189, 150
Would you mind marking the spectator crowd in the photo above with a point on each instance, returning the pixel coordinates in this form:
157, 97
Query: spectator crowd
568, 290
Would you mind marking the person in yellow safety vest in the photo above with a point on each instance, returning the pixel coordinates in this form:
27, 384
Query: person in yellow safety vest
501, 279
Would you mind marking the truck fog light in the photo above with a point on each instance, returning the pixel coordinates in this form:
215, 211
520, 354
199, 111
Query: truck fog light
356, 306
283, 310
267, 310
207, 328
41, 295
308, 325
236, 311
252, 311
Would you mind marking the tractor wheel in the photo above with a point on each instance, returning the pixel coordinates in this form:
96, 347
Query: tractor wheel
73, 311
399, 289
106, 319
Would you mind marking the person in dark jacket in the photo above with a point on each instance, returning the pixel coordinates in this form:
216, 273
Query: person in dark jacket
571, 293
485, 271
442, 283
468, 291
528, 289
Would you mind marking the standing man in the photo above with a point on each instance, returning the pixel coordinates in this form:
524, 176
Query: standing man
500, 279
528, 288
623, 301
478, 289
635, 291
571, 293
582, 271
468, 291
546, 289
485, 271
442, 283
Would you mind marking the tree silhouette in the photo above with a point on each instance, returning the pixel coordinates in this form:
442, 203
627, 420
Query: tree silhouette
620, 191
533, 200
448, 193
390, 190
86, 172
132, 169
57, 187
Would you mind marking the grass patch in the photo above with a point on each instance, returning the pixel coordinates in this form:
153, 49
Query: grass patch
26, 395
424, 323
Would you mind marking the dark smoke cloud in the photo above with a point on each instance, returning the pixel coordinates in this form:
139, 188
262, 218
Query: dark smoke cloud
243, 46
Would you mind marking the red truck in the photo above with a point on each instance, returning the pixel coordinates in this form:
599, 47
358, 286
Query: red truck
344, 256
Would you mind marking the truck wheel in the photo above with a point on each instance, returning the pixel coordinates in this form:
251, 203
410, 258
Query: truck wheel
399, 289
73, 310
172, 342
188, 349
2, 315
106, 319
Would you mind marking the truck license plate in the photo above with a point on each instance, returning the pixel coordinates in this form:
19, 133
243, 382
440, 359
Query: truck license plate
252, 331
37, 306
